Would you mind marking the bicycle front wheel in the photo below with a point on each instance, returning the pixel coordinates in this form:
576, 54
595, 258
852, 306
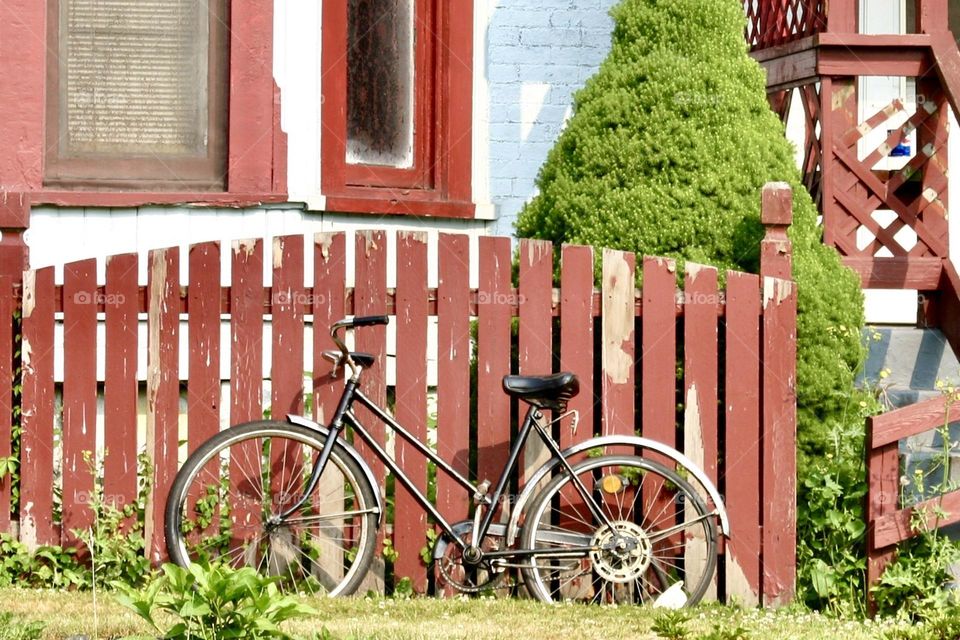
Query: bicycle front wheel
224, 505
642, 535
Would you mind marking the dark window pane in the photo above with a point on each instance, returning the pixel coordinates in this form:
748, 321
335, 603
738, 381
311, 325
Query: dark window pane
380, 82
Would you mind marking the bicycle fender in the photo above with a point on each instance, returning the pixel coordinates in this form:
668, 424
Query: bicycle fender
513, 527
350, 451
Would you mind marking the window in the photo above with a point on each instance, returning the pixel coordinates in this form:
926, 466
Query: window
396, 116
137, 95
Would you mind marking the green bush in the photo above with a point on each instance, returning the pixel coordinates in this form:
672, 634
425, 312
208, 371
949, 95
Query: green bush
666, 153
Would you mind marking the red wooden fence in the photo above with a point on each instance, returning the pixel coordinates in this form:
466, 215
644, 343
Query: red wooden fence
888, 521
731, 410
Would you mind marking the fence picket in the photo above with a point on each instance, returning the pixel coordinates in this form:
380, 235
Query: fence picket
370, 298
617, 349
576, 336
36, 440
246, 372
779, 441
286, 365
742, 437
120, 386
453, 371
80, 298
329, 275
411, 402
535, 336
493, 356
700, 383
163, 388
203, 329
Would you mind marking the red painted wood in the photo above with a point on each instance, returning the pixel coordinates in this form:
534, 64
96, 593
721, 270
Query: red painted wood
163, 387
329, 275
897, 273
287, 301
911, 420
120, 387
741, 469
535, 333
659, 356
251, 141
411, 402
658, 362
883, 471
23, 55
493, 357
246, 371
233, 199
700, 365
246, 332
576, 336
203, 386
453, 369
286, 375
6, 395
779, 441
36, 444
618, 350
79, 397
456, 98
894, 526
370, 298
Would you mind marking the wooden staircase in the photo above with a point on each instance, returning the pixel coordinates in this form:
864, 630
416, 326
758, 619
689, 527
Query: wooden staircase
889, 225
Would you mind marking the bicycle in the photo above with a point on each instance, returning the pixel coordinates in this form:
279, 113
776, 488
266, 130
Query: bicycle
295, 500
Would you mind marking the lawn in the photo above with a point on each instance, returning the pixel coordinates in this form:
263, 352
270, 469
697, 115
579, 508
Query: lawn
77, 613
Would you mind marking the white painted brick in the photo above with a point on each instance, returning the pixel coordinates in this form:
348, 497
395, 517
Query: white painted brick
503, 73
546, 36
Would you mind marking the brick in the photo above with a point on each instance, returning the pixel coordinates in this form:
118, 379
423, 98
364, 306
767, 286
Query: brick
545, 37
503, 131
503, 73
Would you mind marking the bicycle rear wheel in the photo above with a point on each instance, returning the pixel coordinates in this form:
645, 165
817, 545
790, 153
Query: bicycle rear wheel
225, 502
658, 536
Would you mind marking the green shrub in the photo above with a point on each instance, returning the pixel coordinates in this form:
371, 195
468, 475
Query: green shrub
214, 601
666, 153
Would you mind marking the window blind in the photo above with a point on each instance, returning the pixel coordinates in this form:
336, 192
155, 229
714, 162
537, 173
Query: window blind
133, 77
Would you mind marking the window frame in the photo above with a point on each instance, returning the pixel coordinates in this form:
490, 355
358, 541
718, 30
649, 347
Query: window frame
439, 182
131, 172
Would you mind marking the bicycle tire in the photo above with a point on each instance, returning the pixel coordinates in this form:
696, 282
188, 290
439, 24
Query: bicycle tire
211, 511
650, 562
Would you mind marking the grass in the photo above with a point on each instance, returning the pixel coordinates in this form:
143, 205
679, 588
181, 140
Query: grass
72, 614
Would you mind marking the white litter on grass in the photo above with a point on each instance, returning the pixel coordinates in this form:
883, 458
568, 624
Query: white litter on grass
672, 598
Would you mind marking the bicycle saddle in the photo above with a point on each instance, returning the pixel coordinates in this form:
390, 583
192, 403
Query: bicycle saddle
546, 392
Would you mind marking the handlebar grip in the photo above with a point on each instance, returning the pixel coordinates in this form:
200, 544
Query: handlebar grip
369, 321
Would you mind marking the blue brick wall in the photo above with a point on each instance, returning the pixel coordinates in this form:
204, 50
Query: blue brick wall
539, 52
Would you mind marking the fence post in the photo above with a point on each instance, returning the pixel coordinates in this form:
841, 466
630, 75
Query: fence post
776, 214
779, 419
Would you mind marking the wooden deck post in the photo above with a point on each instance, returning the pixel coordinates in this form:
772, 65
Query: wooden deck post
931, 16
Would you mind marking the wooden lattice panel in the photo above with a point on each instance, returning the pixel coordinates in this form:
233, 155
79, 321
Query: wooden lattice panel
915, 194
773, 22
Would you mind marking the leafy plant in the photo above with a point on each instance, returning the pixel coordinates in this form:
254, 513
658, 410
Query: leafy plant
214, 601
426, 551
13, 629
672, 624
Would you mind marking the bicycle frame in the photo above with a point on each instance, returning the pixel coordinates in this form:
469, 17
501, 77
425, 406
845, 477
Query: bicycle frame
345, 416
